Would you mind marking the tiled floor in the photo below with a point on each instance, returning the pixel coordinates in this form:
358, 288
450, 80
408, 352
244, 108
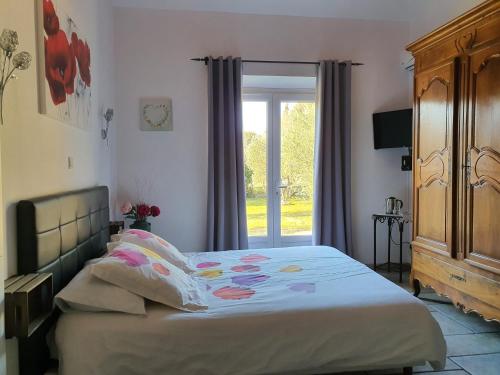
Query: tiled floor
473, 344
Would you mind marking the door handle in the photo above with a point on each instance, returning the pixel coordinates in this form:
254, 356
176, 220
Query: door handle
280, 188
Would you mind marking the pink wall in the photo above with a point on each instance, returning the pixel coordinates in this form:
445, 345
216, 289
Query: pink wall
152, 51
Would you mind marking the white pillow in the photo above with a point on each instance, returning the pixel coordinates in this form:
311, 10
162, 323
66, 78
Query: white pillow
88, 293
154, 243
143, 272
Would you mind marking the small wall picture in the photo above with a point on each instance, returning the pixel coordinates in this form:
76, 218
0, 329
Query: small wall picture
156, 114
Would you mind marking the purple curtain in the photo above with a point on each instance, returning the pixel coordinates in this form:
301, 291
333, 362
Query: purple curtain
227, 225
332, 168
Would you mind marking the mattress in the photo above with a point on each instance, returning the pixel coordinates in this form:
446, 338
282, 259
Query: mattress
298, 310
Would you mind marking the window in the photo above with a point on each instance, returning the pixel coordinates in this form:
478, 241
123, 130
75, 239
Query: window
278, 134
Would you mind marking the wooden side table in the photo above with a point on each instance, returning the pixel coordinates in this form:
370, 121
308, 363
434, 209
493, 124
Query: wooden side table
391, 219
116, 226
28, 303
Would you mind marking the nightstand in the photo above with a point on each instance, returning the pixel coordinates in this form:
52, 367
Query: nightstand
28, 303
400, 221
116, 226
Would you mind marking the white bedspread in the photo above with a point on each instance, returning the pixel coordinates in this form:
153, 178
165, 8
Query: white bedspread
297, 310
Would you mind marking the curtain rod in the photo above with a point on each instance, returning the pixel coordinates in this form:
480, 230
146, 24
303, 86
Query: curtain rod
205, 60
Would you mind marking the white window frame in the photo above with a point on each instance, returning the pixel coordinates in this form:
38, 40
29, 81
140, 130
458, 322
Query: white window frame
273, 98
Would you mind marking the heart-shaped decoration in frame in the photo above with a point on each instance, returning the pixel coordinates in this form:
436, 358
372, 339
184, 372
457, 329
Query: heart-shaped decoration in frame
156, 114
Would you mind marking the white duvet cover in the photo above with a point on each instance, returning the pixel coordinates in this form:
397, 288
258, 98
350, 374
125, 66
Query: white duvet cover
301, 310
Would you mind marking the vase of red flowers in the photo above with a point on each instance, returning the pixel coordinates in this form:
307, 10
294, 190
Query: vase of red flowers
142, 225
140, 213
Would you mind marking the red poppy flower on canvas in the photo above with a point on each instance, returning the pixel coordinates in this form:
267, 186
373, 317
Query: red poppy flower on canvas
67, 62
50, 19
82, 54
60, 67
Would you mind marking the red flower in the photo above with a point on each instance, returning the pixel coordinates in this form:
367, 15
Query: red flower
60, 66
82, 54
50, 19
155, 211
143, 210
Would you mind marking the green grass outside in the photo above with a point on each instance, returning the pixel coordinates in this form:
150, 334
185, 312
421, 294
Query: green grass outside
296, 216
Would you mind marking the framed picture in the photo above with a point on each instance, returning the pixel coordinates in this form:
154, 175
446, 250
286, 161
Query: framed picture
64, 64
156, 114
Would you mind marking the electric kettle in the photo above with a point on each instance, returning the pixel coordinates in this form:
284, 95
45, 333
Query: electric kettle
393, 206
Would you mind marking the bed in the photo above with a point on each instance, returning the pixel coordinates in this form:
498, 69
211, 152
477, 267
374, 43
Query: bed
301, 310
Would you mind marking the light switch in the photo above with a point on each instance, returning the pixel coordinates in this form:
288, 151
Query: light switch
70, 162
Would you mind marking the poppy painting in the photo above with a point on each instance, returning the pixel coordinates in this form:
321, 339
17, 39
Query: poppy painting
65, 77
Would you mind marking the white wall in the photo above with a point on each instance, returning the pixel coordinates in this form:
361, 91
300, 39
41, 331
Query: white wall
34, 147
427, 15
153, 48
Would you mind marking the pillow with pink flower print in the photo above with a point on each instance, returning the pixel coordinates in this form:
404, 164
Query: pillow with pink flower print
145, 273
154, 243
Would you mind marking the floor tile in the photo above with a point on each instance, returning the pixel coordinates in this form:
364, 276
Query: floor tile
473, 344
449, 326
471, 320
431, 307
428, 291
486, 364
429, 303
479, 343
450, 365
452, 372
406, 287
394, 277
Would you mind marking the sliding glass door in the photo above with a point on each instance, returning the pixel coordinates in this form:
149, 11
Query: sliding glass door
278, 137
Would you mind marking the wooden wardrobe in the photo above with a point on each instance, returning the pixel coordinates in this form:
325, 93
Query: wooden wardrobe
456, 161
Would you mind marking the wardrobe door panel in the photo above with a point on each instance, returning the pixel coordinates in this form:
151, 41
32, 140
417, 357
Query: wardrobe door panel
433, 141
483, 193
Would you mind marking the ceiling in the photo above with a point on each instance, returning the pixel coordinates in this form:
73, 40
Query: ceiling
393, 10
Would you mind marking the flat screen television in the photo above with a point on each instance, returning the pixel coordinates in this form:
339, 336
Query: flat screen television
392, 129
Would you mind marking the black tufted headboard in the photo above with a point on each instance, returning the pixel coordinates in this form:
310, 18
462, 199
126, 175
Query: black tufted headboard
58, 234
